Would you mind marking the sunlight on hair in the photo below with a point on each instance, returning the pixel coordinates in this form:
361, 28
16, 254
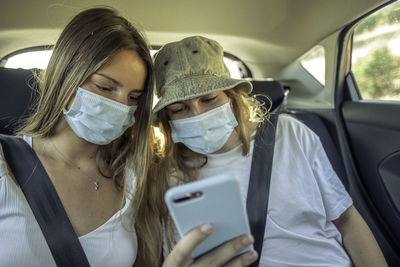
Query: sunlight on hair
159, 136
255, 106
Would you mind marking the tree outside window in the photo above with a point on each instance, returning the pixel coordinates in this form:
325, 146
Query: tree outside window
376, 54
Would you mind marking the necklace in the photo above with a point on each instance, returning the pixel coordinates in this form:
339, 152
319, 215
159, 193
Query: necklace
95, 183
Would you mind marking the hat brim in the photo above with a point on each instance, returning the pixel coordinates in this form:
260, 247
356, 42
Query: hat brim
194, 86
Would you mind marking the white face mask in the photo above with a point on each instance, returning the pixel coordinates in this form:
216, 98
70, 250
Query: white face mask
207, 132
97, 119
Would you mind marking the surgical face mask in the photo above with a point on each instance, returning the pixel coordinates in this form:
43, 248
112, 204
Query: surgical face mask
97, 119
207, 132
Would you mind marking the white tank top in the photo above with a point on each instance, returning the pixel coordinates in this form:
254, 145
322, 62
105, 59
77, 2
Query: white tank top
22, 243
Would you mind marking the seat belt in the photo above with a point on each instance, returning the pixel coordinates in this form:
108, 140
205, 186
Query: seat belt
260, 180
44, 202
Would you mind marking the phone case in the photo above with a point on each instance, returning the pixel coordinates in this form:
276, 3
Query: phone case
216, 200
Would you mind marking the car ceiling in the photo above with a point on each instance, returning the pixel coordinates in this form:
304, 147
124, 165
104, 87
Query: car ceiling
273, 32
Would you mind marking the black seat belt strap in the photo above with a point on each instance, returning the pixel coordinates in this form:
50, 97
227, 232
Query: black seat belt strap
260, 180
44, 202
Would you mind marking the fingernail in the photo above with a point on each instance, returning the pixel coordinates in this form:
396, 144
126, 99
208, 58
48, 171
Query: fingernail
206, 228
252, 255
247, 240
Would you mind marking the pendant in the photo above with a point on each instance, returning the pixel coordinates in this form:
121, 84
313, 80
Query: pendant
96, 185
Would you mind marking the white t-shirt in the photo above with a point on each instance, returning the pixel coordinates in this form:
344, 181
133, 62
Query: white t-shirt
305, 196
23, 244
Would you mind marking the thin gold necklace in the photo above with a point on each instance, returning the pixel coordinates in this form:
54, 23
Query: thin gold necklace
95, 183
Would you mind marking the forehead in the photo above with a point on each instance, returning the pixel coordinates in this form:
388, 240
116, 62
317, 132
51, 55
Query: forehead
126, 67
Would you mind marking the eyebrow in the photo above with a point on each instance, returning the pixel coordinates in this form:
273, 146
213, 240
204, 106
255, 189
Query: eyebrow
116, 82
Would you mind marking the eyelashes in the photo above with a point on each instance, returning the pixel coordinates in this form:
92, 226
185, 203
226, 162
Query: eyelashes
175, 111
181, 107
102, 88
133, 99
209, 99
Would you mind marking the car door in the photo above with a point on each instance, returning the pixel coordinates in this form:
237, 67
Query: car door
368, 104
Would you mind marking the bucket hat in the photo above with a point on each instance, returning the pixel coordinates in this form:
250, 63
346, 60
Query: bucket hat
190, 68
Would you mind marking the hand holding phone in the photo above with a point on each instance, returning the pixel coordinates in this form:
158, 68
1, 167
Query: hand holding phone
216, 200
180, 256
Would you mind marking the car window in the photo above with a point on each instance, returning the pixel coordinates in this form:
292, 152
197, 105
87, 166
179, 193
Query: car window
376, 54
39, 59
29, 60
314, 62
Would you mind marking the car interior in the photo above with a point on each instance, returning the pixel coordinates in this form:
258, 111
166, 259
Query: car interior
318, 59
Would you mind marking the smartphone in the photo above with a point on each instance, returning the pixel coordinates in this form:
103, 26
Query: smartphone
217, 200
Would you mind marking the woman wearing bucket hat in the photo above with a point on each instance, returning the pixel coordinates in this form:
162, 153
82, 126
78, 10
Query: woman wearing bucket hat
210, 123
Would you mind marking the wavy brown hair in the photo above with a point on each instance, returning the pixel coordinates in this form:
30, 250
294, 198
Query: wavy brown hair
89, 40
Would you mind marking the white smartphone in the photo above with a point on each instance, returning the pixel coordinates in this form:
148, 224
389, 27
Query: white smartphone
216, 200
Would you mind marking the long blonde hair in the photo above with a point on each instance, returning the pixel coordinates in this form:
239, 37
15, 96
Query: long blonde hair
87, 43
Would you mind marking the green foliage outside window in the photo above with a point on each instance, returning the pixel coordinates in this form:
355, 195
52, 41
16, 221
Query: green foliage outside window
387, 16
376, 55
378, 75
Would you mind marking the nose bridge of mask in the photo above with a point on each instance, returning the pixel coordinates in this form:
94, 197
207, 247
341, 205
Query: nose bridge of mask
99, 106
205, 115
97, 119
201, 124
207, 132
